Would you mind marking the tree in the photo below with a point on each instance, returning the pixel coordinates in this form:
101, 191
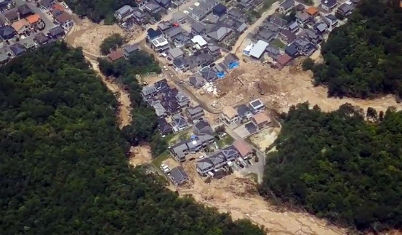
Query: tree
111, 43
63, 168
371, 114
337, 166
308, 64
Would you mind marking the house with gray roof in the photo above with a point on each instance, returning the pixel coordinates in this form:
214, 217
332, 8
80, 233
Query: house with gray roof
123, 13
286, 6
195, 113
197, 81
175, 53
203, 127
220, 33
178, 176
193, 145
130, 49
216, 161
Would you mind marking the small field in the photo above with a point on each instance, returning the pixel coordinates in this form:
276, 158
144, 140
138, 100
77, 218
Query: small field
265, 138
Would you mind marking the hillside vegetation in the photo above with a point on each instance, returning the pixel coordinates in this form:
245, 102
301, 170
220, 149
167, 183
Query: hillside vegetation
340, 167
97, 10
62, 163
363, 57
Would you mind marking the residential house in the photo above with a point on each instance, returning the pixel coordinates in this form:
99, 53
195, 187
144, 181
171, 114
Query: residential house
265, 34
211, 19
182, 100
160, 44
11, 15
64, 19
219, 10
33, 19
321, 27
257, 105
203, 127
244, 149
199, 41
311, 35
24, 11
244, 112
283, 60
164, 127
41, 39
115, 55
56, 32
292, 50
286, 6
179, 123
164, 3
123, 13
178, 176
278, 21
216, 161
46, 4
312, 11
345, 10
17, 49
229, 116
175, 53
195, 144
139, 16
293, 27
148, 92
152, 8
197, 81
20, 26
302, 18
160, 111
214, 50
258, 49
261, 120
194, 114
287, 36
198, 28
220, 33
328, 5
251, 128
208, 74
272, 51
330, 20
6, 4
173, 32
130, 49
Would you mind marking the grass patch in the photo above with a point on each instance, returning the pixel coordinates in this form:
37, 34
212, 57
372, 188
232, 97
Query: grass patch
225, 141
266, 5
278, 43
181, 136
159, 159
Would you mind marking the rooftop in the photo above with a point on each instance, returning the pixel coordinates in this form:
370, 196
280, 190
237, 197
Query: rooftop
261, 118
242, 147
229, 112
258, 49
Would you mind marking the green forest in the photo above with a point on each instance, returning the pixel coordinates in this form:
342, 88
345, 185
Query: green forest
363, 57
63, 168
338, 166
110, 43
144, 126
98, 10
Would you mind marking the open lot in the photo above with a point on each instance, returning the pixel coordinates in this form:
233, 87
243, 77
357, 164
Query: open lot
237, 195
265, 138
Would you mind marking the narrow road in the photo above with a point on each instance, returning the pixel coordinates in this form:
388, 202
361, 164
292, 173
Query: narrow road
252, 28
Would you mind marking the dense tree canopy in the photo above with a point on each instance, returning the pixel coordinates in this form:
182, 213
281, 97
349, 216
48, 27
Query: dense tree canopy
340, 167
144, 126
62, 163
111, 43
363, 57
98, 10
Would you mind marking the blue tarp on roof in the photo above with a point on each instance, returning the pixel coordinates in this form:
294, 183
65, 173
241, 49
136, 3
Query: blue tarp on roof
220, 74
233, 65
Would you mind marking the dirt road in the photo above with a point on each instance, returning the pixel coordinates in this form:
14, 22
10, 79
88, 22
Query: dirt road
238, 196
237, 48
89, 36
